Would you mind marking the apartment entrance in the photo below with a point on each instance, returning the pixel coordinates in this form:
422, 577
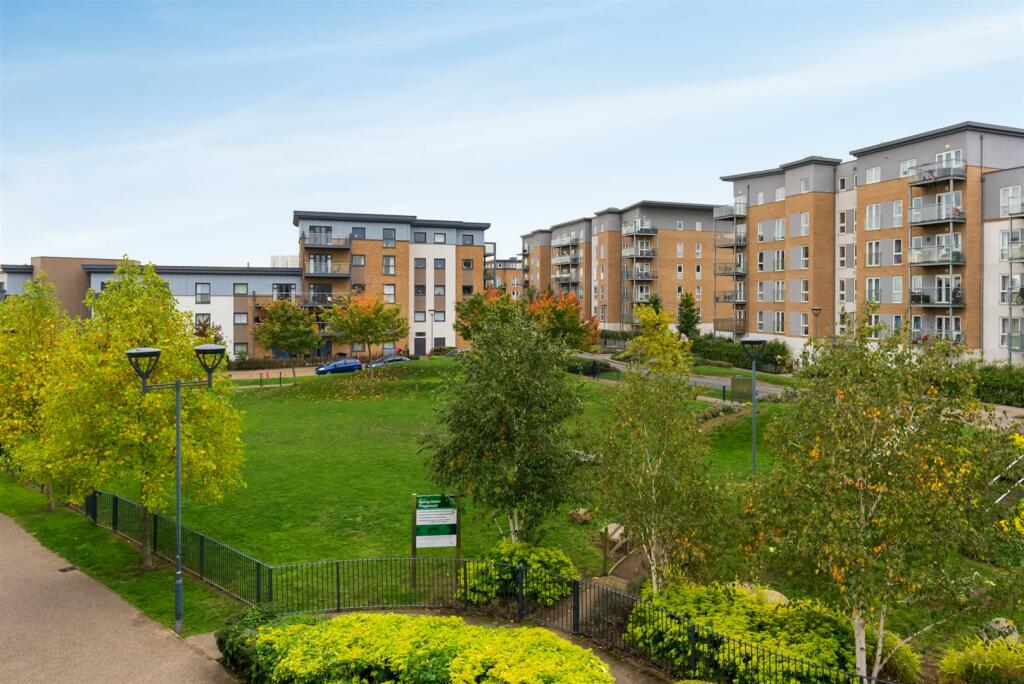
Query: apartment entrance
419, 346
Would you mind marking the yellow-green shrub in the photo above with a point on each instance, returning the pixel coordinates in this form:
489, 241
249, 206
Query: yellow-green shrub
375, 647
994, 662
549, 574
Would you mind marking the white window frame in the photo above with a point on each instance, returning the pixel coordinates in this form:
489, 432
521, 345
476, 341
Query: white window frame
805, 327
897, 213
805, 223
805, 256
873, 289
897, 289
873, 220
805, 185
874, 253
805, 290
842, 183
897, 252
779, 291
780, 193
679, 271
842, 221
1007, 195
873, 175
780, 229
907, 167
842, 256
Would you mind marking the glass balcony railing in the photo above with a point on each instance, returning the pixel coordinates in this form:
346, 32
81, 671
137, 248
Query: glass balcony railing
326, 241
639, 252
565, 240
730, 269
641, 229
937, 213
327, 270
318, 300
731, 297
926, 335
937, 296
936, 254
572, 276
639, 274
731, 240
1013, 207
733, 325
571, 258
952, 169
1014, 342
728, 211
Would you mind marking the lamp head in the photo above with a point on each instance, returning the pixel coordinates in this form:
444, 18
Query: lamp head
143, 361
754, 346
816, 310
210, 356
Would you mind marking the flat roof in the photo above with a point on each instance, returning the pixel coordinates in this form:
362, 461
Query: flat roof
668, 205
204, 270
563, 224
781, 168
535, 232
383, 218
955, 128
16, 268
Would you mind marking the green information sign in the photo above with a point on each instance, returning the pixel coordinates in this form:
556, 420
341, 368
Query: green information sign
435, 521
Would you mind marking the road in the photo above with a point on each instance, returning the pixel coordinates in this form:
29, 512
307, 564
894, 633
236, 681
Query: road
712, 381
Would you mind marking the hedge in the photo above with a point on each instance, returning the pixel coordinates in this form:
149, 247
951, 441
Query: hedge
978, 662
376, 647
777, 358
549, 574
803, 630
1001, 384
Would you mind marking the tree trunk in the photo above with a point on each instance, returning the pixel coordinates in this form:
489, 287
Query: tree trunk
860, 642
147, 553
51, 504
291, 362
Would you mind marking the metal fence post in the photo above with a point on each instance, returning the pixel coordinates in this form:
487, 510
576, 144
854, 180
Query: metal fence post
337, 582
90, 507
202, 556
520, 582
259, 582
692, 632
113, 512
270, 584
575, 606
153, 536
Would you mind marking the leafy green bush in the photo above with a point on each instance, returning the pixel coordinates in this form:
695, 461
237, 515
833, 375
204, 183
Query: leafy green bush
994, 662
777, 358
237, 641
1001, 384
440, 351
549, 574
580, 366
802, 630
365, 647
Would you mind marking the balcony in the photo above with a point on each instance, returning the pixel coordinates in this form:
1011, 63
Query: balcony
731, 240
644, 229
735, 270
733, 325
566, 277
937, 255
327, 242
572, 258
928, 335
936, 213
729, 211
1014, 207
639, 274
315, 300
1015, 342
326, 271
937, 296
640, 299
939, 172
264, 300
639, 253
565, 240
731, 298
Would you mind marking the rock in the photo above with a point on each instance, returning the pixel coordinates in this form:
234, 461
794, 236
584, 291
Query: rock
772, 597
1000, 628
580, 516
614, 532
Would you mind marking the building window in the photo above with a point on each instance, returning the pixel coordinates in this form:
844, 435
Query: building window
780, 229
697, 272
874, 289
439, 290
1010, 290
780, 290
805, 223
202, 319
420, 290
467, 239
419, 316
439, 316
760, 320
438, 264
698, 226
874, 220
698, 250
202, 293
897, 252
679, 271
389, 237
804, 325
1009, 332
874, 253
805, 256
357, 347
679, 225
241, 318
760, 197
241, 350
419, 263
780, 260
419, 237
698, 293
467, 290
907, 167
467, 264
842, 182
841, 296
897, 322
440, 238
389, 265
842, 256
679, 248
760, 262
842, 222
897, 289
897, 213
873, 175
780, 321
241, 288
359, 233
389, 294
805, 185
358, 260
780, 193
874, 321
1009, 200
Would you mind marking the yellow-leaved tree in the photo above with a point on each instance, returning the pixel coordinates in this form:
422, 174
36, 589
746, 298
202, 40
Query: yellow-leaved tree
101, 428
30, 326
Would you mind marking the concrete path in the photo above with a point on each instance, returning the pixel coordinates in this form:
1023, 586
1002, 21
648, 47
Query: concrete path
59, 625
711, 381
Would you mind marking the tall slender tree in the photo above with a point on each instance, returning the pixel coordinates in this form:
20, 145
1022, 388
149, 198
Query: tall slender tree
289, 328
687, 316
366, 320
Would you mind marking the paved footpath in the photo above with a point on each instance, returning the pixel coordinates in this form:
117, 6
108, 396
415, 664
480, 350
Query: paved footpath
67, 627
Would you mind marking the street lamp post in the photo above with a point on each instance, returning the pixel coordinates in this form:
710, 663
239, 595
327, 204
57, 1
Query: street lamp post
816, 310
754, 348
430, 346
143, 361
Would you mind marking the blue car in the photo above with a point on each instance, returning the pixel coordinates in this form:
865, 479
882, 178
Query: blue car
340, 366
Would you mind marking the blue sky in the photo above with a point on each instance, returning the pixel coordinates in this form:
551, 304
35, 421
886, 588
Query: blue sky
186, 133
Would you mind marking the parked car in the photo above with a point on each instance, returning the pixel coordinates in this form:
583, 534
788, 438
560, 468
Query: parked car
454, 353
340, 366
387, 360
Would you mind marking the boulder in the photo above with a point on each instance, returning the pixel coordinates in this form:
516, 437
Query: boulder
772, 597
1000, 628
580, 516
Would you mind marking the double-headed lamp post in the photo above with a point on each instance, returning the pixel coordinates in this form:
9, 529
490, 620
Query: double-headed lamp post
143, 361
816, 310
754, 348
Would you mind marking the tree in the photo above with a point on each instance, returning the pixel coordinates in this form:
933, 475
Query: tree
651, 456
210, 331
504, 440
469, 312
655, 302
687, 316
100, 427
883, 474
288, 328
366, 320
30, 326
562, 318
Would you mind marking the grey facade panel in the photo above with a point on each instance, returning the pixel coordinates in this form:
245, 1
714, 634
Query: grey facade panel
994, 182
184, 285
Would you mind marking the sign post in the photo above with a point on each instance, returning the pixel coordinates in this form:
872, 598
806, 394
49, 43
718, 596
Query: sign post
435, 524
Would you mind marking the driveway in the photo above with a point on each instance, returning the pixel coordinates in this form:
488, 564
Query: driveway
713, 381
59, 625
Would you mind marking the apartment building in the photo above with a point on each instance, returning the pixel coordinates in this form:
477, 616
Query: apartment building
505, 275
619, 258
923, 226
423, 266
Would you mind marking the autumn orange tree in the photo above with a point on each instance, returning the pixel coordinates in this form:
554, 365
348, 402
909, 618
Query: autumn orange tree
558, 316
883, 474
366, 320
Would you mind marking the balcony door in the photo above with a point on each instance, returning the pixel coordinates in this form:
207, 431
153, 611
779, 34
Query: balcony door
946, 287
948, 328
949, 158
319, 263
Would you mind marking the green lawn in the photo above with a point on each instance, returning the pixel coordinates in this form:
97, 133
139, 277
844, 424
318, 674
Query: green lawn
772, 378
115, 562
